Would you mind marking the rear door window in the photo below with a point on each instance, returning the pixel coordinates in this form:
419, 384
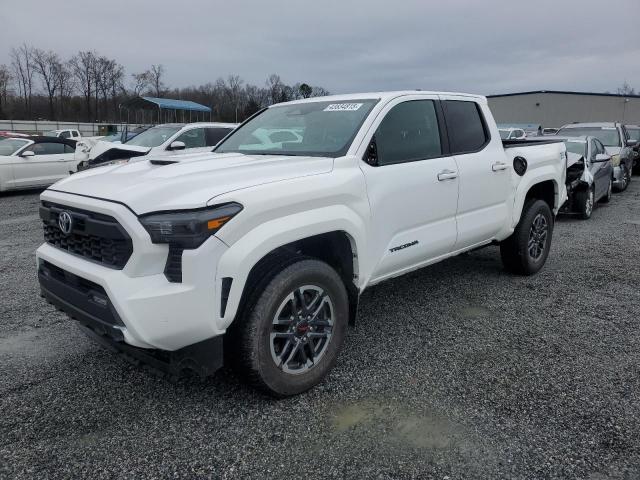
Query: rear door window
408, 132
214, 135
47, 148
193, 138
466, 126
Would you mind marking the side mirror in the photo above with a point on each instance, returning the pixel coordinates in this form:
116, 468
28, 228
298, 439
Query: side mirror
27, 153
177, 145
631, 143
371, 154
602, 157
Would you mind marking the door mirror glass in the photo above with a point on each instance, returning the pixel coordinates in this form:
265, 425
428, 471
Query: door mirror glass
371, 155
602, 157
27, 153
177, 145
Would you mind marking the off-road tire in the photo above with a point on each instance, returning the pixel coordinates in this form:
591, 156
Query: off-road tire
514, 250
250, 334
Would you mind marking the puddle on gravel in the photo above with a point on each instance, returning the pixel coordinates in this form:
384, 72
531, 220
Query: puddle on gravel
396, 425
38, 344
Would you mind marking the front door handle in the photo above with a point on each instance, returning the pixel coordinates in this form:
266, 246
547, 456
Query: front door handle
447, 175
496, 167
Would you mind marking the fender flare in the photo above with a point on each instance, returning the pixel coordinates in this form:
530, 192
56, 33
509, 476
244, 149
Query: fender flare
245, 253
560, 194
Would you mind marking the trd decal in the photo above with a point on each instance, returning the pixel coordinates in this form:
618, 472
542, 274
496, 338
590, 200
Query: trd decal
402, 247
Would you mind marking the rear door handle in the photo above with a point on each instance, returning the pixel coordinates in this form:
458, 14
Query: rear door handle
447, 175
496, 167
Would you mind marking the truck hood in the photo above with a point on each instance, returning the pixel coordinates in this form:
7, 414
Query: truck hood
188, 183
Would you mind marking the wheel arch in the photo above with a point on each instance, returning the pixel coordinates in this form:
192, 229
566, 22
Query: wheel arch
545, 189
339, 247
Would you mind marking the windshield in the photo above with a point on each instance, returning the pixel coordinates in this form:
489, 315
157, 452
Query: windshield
51, 133
153, 137
312, 128
9, 146
576, 147
504, 134
607, 135
634, 134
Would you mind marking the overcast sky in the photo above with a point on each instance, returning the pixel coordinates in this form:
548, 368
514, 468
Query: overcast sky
478, 46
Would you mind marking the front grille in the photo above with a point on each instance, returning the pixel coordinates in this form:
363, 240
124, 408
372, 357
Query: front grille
94, 236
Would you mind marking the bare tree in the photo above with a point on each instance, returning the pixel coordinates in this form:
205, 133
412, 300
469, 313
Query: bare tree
319, 92
626, 89
82, 67
47, 66
5, 81
66, 86
275, 86
156, 82
23, 73
140, 83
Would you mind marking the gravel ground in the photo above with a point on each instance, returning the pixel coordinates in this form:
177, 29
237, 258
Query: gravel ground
456, 371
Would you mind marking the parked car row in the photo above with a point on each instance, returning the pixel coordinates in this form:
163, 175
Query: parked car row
601, 157
28, 161
162, 140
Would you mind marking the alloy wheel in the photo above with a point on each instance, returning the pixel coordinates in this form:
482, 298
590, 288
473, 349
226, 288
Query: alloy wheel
538, 237
588, 207
301, 329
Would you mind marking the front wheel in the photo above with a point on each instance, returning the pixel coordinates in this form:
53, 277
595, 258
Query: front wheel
585, 200
292, 331
626, 179
526, 250
607, 197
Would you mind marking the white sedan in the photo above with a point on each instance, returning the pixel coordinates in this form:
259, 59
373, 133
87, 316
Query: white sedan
34, 162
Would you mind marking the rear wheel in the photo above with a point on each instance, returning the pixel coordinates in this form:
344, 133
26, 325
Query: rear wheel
526, 250
293, 329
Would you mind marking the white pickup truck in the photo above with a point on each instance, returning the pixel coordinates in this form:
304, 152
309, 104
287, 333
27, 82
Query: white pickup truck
70, 133
263, 247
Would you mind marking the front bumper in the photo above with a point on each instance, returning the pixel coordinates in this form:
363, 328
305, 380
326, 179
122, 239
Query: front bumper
151, 312
87, 303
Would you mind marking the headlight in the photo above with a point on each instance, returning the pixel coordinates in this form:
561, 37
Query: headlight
188, 228
615, 160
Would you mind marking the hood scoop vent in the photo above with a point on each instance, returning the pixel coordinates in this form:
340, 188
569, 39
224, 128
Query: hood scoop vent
162, 162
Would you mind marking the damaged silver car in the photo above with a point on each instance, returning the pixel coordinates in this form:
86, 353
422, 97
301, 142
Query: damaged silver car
589, 175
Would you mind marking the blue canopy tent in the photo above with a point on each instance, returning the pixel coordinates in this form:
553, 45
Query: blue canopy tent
163, 110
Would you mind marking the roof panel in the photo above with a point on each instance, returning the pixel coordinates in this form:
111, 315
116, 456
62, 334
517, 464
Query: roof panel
166, 104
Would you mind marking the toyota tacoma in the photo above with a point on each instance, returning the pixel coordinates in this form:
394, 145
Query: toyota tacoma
256, 254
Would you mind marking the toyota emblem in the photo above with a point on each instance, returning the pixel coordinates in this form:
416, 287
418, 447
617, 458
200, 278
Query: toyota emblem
65, 222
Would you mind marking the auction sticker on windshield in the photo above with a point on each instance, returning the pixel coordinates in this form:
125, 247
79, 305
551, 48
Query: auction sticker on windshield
343, 107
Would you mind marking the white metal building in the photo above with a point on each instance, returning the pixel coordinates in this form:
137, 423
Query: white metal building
556, 108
